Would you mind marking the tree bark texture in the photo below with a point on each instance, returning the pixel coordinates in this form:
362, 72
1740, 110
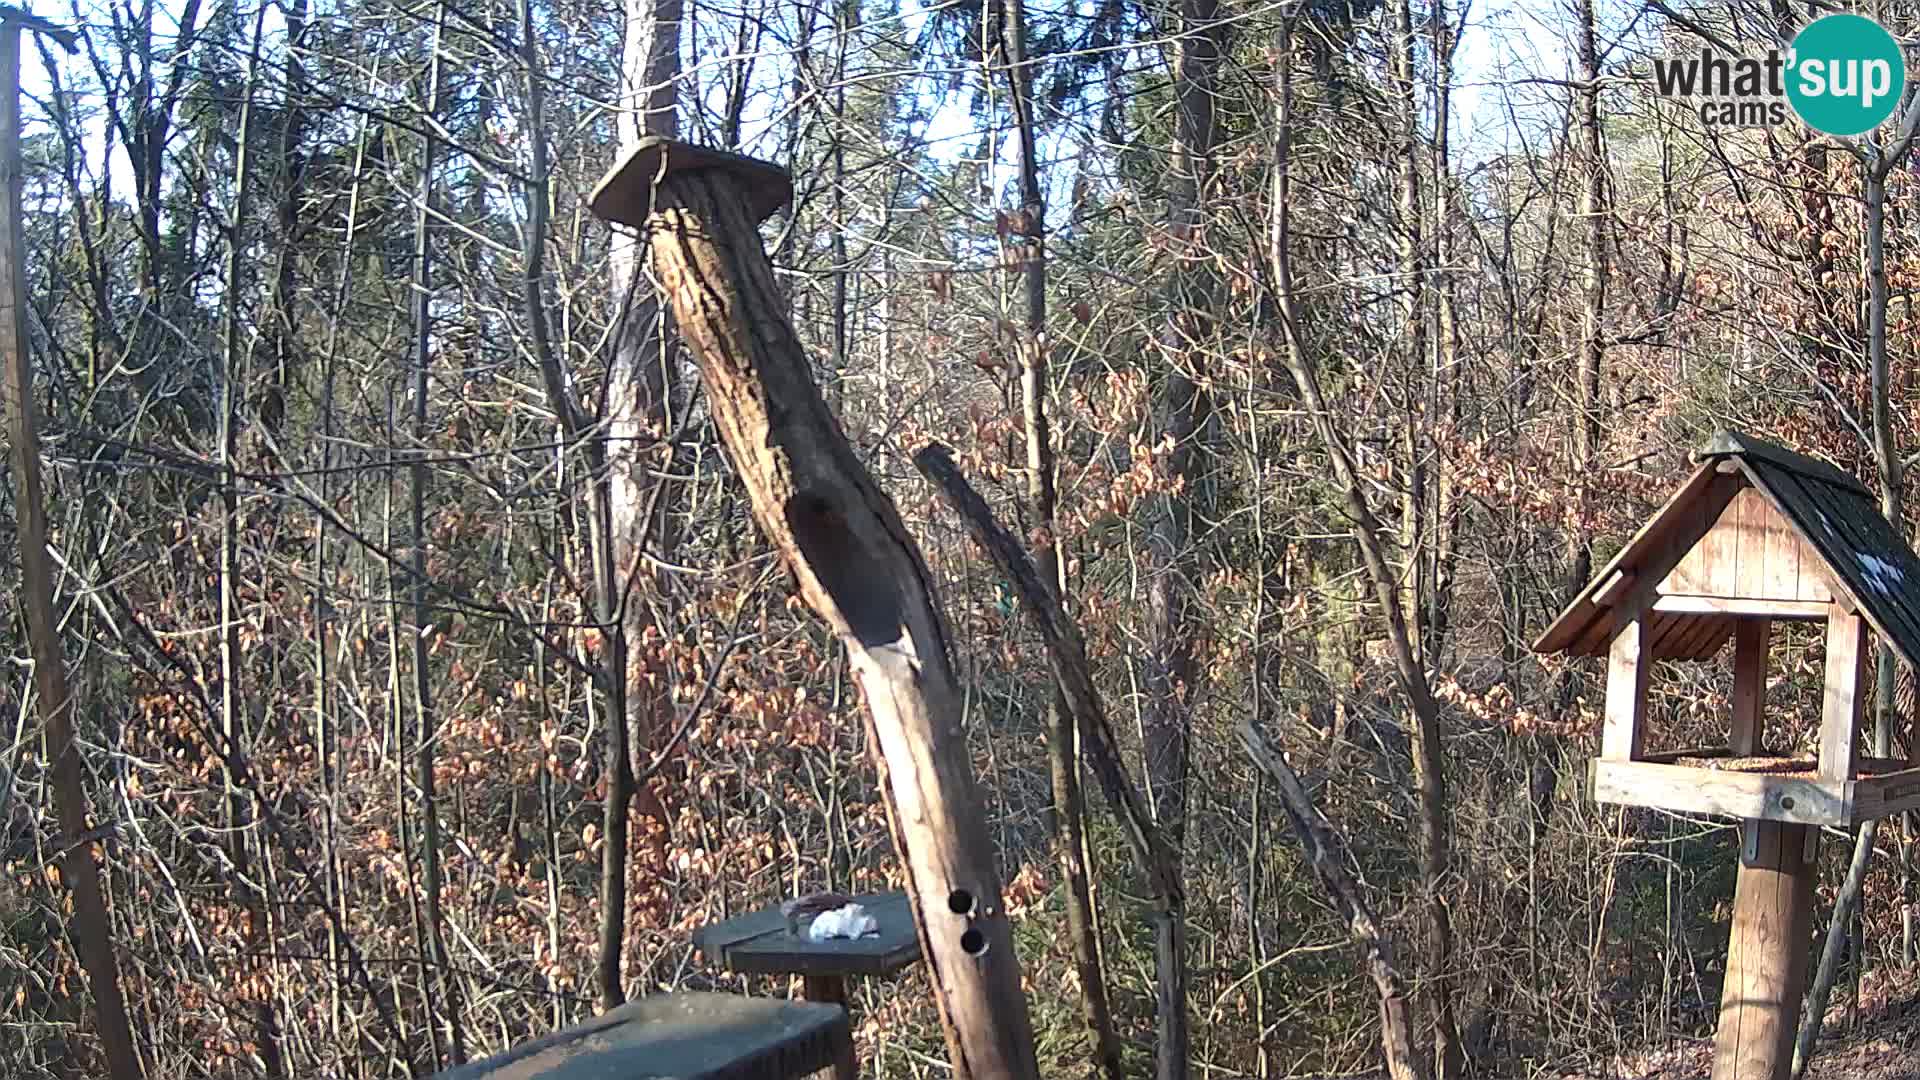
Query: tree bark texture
90, 930
1172, 569
1063, 760
858, 569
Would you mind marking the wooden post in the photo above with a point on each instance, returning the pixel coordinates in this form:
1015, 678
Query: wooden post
1841, 699
856, 566
89, 930
1624, 731
1766, 954
1749, 685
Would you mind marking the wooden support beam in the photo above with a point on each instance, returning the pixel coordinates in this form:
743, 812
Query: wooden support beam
1797, 799
1749, 685
1614, 587
1841, 698
1685, 604
1766, 955
1628, 663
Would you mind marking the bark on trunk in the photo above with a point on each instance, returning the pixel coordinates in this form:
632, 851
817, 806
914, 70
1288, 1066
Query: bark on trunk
859, 571
90, 930
1063, 761
1172, 567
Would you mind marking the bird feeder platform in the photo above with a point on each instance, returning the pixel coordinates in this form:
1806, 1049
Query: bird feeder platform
759, 943
686, 1036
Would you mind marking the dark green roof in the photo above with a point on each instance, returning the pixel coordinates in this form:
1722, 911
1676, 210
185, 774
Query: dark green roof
1840, 517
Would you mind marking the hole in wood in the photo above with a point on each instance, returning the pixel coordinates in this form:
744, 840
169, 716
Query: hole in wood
960, 902
853, 575
974, 942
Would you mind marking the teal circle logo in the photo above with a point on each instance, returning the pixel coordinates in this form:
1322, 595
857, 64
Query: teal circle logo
1846, 74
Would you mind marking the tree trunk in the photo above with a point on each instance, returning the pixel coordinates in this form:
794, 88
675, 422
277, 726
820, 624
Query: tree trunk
423, 707
1846, 903
241, 888
641, 380
843, 540
1368, 532
1172, 566
1069, 811
1593, 294
90, 930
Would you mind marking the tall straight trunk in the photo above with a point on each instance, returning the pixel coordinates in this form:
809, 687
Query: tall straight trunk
1443, 546
282, 309
1069, 806
234, 728
1413, 317
1593, 292
1183, 413
1369, 533
627, 492
90, 929
1886, 454
423, 711
325, 729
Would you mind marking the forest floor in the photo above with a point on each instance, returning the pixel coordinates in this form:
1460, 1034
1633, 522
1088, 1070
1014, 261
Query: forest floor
1881, 1043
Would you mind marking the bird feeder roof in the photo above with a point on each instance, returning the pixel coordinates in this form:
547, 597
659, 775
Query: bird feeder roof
1835, 521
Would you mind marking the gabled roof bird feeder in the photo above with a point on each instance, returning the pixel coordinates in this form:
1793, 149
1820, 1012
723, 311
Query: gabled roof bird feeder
1757, 534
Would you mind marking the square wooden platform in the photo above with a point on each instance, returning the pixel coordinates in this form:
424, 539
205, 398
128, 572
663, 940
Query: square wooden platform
1760, 788
758, 942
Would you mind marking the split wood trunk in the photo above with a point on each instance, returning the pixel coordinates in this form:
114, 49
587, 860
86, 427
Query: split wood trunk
859, 571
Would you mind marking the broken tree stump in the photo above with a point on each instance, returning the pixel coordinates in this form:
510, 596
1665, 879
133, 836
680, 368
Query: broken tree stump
856, 567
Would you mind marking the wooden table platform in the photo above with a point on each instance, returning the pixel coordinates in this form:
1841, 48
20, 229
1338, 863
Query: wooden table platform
683, 1036
759, 943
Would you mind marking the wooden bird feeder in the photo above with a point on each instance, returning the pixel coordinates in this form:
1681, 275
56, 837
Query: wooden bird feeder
1757, 534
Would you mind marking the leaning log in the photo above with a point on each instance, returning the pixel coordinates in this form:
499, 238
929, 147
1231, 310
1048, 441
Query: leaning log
1067, 654
852, 558
1327, 855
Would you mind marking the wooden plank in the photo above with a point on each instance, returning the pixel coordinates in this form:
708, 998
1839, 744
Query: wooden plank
1841, 696
758, 942
1781, 576
1741, 605
1692, 574
1700, 638
1722, 545
1668, 757
1628, 665
1750, 638
1803, 799
1766, 956
1885, 795
1660, 631
1750, 542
